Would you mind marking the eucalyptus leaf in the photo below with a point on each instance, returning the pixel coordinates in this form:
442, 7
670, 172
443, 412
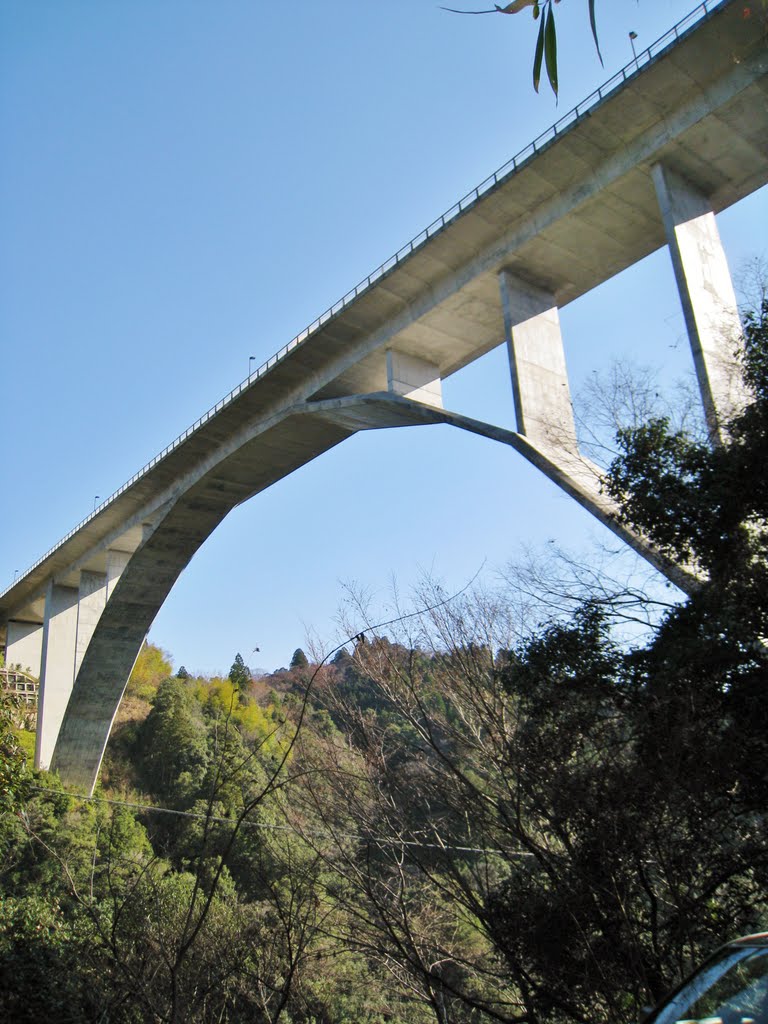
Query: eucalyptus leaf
593, 25
550, 49
538, 56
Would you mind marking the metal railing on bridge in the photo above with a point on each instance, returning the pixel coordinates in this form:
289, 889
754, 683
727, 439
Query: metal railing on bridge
514, 164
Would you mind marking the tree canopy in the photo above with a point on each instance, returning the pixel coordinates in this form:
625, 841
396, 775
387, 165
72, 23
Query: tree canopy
460, 822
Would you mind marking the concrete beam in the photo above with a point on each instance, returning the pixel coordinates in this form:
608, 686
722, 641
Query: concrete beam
572, 472
707, 296
570, 214
576, 209
232, 475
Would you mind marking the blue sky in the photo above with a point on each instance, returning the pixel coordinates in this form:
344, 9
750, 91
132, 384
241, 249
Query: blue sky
188, 183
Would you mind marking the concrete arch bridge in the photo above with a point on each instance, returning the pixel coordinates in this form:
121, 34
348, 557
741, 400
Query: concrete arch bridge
646, 161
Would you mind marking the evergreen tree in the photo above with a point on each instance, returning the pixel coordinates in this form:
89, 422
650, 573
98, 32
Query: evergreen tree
299, 659
172, 745
240, 674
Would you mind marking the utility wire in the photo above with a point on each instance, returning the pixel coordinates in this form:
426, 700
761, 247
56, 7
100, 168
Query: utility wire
318, 833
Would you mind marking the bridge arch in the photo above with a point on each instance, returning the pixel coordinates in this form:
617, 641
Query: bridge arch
647, 161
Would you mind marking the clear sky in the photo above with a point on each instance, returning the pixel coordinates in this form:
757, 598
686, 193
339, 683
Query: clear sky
187, 183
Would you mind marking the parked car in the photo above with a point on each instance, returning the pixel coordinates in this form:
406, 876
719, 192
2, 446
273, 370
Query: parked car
731, 987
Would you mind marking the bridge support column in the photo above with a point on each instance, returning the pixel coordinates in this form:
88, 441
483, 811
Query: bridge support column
57, 673
542, 394
24, 646
71, 617
546, 427
537, 363
706, 293
414, 378
95, 589
92, 598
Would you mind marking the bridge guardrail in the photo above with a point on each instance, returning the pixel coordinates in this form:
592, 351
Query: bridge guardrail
580, 111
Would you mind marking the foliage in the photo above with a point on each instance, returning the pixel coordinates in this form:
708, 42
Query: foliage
700, 503
597, 812
299, 659
44, 974
13, 756
545, 51
152, 666
556, 801
240, 674
456, 824
172, 747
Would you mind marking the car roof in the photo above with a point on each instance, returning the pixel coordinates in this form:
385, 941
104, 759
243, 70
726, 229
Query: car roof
759, 939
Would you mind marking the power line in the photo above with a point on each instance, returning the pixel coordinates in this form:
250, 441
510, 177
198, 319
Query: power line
269, 826
317, 833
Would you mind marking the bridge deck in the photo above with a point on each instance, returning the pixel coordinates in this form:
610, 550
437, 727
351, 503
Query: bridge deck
572, 214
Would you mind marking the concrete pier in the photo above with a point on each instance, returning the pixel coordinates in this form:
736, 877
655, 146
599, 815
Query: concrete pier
706, 294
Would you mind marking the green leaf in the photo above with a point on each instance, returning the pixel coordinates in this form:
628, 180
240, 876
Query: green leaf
593, 24
538, 56
550, 50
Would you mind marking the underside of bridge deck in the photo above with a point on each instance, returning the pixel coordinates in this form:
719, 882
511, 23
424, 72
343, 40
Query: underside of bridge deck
648, 162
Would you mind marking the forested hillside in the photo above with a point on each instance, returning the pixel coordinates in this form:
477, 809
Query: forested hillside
457, 818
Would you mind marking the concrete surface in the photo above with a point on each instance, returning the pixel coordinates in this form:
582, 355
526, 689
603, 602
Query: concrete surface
577, 211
